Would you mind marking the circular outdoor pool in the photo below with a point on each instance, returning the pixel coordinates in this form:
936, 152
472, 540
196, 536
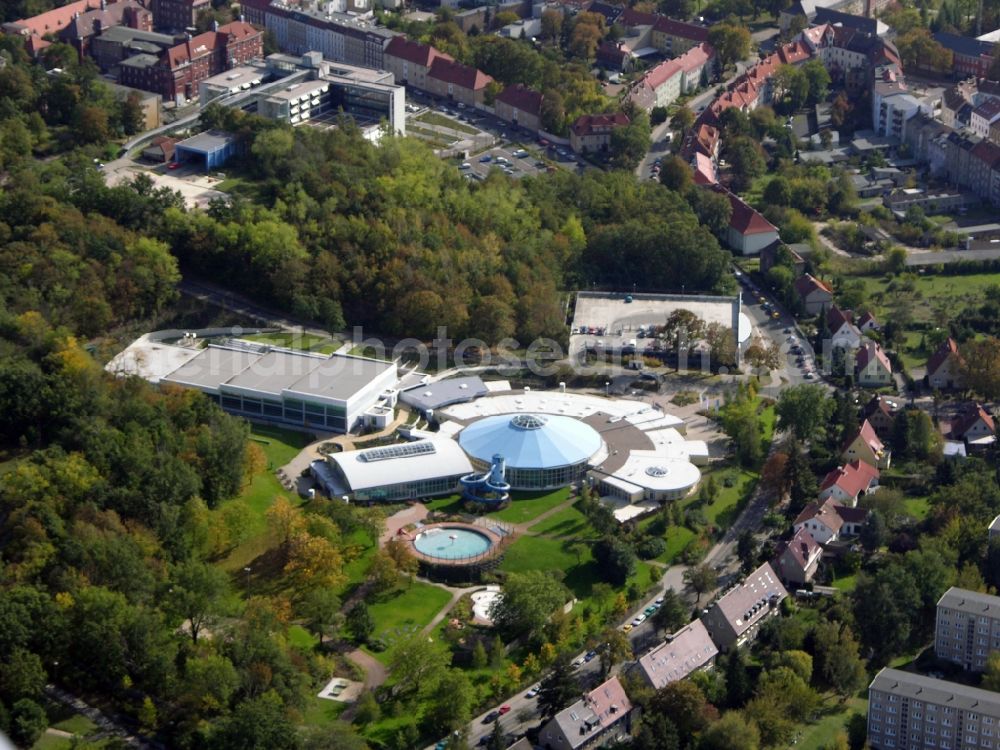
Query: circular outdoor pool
451, 543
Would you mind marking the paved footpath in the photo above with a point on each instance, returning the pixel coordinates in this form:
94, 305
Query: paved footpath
99, 717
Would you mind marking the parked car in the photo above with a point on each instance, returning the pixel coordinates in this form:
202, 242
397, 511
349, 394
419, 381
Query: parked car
491, 717
533, 691
639, 620
505, 709
174, 165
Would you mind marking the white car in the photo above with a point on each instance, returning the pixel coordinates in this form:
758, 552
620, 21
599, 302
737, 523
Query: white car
639, 620
465, 165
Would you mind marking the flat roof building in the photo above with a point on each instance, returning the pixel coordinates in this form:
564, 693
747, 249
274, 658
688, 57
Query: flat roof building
967, 628
688, 650
336, 393
405, 471
430, 396
907, 710
210, 149
232, 81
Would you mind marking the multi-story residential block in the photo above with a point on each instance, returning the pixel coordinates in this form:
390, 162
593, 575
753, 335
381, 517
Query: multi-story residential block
970, 57
456, 82
78, 23
120, 43
602, 716
410, 62
688, 650
177, 15
735, 618
984, 117
519, 105
967, 628
176, 72
912, 712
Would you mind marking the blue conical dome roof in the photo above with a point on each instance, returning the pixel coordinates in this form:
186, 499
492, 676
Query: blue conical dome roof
531, 441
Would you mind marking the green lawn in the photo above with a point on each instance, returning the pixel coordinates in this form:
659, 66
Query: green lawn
527, 506
846, 584
320, 712
433, 118
356, 568
299, 636
834, 719
569, 522
303, 341
918, 507
406, 611
447, 504
280, 446
956, 292
678, 537
77, 724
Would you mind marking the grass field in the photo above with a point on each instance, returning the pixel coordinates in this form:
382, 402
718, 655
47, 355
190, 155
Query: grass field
304, 341
406, 611
433, 118
918, 507
280, 446
320, 712
447, 504
846, 584
299, 636
73, 723
955, 292
834, 719
678, 537
569, 522
526, 506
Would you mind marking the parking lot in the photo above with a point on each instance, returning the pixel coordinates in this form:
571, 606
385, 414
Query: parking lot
613, 323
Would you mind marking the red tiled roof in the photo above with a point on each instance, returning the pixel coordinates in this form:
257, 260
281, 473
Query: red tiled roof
971, 414
871, 351
630, 17
680, 29
662, 73
794, 52
945, 350
837, 318
806, 284
414, 52
695, 57
239, 30
587, 124
204, 44
704, 170
745, 219
831, 514
867, 433
56, 19
455, 73
801, 547
522, 98
91, 22
852, 479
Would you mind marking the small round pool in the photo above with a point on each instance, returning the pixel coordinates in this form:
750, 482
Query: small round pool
451, 543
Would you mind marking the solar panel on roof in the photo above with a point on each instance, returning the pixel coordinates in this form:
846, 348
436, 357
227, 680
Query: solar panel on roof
404, 450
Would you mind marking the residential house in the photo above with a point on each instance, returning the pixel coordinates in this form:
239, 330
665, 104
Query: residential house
659, 87
828, 521
603, 716
178, 15
615, 56
592, 133
840, 325
176, 72
702, 139
967, 628
929, 712
846, 483
735, 618
973, 425
995, 529
970, 57
688, 650
749, 232
76, 23
880, 413
816, 296
161, 149
866, 446
674, 37
705, 172
410, 62
984, 116
867, 323
520, 105
457, 82
944, 368
872, 368
798, 559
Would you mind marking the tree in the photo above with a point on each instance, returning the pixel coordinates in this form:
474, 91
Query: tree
360, 623
629, 144
731, 732
588, 30
655, 732
93, 125
615, 648
686, 706
321, 610
778, 192
764, 356
682, 119
197, 594
783, 687
701, 579
257, 724
675, 174
731, 43
553, 112
741, 422
27, 722
981, 367
875, 533
552, 21
558, 689
616, 559
207, 684
746, 550
991, 674
526, 603
21, 676
738, 684
417, 664
747, 160
919, 50
479, 656
672, 614
804, 410
497, 740
773, 475
450, 702
818, 79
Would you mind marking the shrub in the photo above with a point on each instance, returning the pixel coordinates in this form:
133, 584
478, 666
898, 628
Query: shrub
650, 547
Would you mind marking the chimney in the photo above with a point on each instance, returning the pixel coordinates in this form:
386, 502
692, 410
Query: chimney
215, 25
103, 5
242, 19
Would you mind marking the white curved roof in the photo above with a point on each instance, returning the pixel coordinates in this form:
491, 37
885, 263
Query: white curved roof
653, 471
406, 462
531, 441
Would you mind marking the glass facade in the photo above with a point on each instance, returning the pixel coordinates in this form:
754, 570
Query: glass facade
537, 479
292, 411
407, 490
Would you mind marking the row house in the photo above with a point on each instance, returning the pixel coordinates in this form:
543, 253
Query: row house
410, 62
687, 651
457, 82
519, 105
176, 72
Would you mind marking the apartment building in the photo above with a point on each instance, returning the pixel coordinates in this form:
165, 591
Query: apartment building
912, 712
967, 628
736, 616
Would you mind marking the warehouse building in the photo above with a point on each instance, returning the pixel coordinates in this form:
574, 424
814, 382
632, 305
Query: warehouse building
334, 393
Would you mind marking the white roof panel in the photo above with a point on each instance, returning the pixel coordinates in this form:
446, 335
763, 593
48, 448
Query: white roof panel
398, 464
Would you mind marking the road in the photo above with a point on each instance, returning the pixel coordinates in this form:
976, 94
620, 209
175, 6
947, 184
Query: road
929, 257
237, 303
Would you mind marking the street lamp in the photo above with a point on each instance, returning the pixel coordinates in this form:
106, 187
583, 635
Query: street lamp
247, 571
607, 388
